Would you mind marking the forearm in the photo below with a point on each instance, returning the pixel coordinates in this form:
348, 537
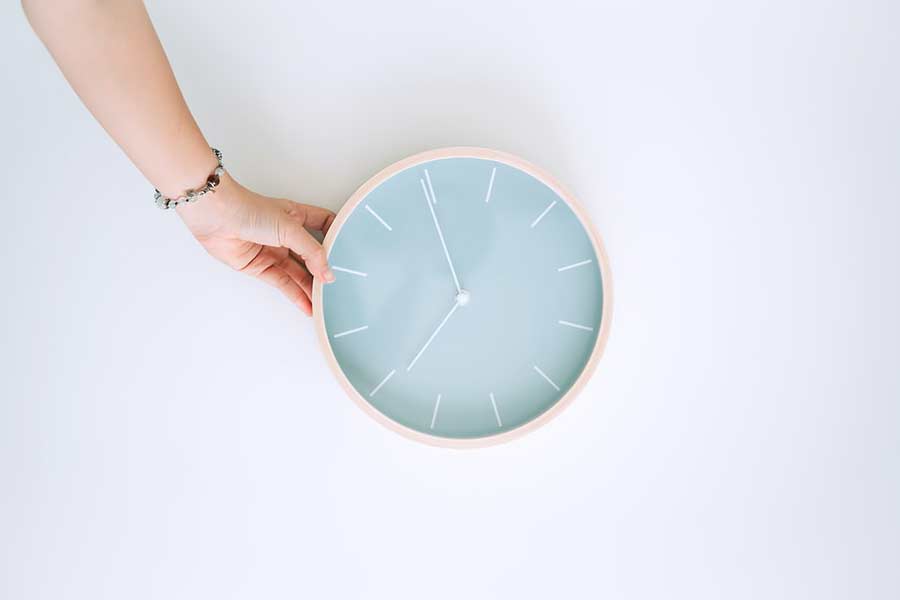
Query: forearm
113, 60
111, 56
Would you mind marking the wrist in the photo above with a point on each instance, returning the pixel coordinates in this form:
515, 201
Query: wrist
190, 172
193, 194
225, 191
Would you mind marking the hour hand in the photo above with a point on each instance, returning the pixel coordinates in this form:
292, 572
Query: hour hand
437, 226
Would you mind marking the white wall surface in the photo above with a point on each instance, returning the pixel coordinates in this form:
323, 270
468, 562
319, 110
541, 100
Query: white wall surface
169, 429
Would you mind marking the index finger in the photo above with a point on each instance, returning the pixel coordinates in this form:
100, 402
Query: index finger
293, 235
315, 217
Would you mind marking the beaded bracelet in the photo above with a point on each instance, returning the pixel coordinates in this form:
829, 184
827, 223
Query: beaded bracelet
192, 195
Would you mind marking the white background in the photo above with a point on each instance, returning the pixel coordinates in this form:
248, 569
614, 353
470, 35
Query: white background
169, 429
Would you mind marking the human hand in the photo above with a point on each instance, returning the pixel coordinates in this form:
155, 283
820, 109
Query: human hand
264, 237
133, 93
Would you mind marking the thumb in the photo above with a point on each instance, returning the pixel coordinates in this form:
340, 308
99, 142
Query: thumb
290, 233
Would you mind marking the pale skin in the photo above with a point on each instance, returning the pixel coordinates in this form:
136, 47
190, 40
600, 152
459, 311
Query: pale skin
112, 58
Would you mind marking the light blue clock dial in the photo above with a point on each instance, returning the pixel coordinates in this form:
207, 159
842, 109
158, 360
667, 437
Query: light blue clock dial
468, 298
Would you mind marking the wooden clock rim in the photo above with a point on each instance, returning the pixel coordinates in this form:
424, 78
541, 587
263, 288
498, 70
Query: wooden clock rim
605, 315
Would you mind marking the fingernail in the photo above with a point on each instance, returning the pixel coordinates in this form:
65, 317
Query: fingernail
329, 275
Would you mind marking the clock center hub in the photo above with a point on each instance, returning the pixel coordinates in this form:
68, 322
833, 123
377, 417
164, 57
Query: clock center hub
463, 297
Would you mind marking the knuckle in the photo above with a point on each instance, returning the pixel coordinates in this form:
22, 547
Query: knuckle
294, 213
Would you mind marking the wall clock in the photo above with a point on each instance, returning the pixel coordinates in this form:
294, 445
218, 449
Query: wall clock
471, 299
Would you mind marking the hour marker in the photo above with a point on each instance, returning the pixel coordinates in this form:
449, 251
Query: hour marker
576, 325
351, 271
496, 412
383, 381
572, 266
543, 214
544, 375
380, 220
437, 404
430, 189
487, 197
348, 332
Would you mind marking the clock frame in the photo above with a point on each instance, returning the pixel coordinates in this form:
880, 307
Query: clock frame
590, 367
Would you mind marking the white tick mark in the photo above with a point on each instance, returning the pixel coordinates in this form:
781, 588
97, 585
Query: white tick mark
496, 412
487, 197
576, 325
434, 414
348, 332
543, 214
430, 189
578, 264
544, 375
380, 220
351, 271
383, 381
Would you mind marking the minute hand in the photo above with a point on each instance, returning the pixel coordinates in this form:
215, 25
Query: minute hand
440, 236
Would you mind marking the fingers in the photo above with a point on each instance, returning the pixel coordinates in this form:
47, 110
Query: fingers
277, 267
279, 278
298, 274
278, 222
315, 217
291, 234
257, 235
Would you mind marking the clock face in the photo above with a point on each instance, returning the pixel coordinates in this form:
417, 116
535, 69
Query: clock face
469, 299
